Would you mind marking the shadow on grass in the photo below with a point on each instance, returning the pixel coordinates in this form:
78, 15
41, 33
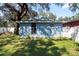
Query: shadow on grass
41, 49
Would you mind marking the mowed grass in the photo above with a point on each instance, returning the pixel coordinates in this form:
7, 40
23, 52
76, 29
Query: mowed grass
14, 45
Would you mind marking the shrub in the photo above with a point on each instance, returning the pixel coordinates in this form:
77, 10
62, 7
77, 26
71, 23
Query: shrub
62, 38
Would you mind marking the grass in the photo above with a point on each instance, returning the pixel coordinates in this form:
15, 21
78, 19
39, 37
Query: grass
14, 45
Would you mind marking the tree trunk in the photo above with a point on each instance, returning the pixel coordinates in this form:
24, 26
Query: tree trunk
18, 17
17, 25
17, 29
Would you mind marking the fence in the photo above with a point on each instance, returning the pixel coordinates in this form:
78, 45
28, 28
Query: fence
6, 29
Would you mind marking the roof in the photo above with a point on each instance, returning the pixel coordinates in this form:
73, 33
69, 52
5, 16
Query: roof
72, 23
38, 21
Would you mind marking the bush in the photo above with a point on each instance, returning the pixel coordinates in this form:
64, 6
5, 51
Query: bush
62, 38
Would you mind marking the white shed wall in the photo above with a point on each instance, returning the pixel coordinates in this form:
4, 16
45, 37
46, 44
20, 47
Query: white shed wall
46, 30
25, 29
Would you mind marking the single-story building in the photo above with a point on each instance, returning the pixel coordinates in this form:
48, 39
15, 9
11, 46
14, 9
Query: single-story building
71, 29
40, 28
48, 28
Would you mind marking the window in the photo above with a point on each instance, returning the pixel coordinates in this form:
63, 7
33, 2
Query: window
33, 28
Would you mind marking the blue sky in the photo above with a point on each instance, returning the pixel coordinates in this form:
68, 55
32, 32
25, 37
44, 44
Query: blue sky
61, 11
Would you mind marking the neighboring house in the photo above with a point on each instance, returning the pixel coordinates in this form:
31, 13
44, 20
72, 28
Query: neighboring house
71, 29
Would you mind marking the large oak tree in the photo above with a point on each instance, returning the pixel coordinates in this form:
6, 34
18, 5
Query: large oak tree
16, 11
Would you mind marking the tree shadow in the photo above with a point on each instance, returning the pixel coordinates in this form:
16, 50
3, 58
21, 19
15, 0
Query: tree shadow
50, 32
74, 35
40, 50
44, 31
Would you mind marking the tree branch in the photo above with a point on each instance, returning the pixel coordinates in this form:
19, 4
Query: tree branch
11, 8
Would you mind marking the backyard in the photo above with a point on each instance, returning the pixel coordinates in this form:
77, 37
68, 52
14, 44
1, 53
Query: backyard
13, 45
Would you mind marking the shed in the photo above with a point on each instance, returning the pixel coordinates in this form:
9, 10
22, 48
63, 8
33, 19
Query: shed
40, 28
49, 28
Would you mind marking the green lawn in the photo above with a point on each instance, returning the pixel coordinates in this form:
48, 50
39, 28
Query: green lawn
17, 46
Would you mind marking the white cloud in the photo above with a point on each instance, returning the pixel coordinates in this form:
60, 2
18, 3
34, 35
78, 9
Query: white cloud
66, 6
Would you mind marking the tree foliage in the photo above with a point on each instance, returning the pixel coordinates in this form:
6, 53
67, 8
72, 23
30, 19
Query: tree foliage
3, 24
75, 17
62, 19
48, 15
74, 7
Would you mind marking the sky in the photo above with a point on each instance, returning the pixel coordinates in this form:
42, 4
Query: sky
58, 11
61, 11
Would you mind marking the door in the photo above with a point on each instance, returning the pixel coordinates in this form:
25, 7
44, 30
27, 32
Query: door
33, 28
